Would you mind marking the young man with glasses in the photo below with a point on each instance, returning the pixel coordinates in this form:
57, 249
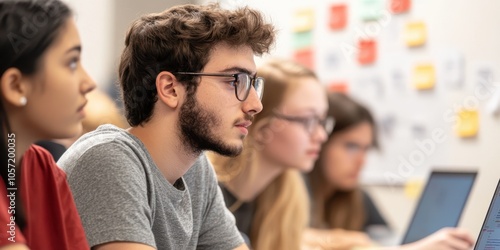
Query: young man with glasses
188, 83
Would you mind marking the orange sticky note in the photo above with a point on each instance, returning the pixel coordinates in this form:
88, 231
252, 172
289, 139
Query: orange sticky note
400, 6
339, 86
424, 76
467, 122
367, 51
305, 57
415, 34
338, 16
304, 20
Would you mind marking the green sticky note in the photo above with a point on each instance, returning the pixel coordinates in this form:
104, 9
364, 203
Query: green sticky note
371, 9
302, 39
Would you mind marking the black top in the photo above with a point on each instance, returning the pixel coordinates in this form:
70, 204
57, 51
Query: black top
373, 216
243, 214
54, 148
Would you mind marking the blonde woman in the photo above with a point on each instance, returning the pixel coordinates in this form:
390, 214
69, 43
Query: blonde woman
266, 192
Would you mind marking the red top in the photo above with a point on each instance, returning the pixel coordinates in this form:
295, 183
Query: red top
52, 219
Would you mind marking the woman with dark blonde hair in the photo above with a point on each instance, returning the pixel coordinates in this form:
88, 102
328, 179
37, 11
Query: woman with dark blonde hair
265, 190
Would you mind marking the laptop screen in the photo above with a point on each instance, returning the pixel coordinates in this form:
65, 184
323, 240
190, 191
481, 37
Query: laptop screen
440, 204
489, 237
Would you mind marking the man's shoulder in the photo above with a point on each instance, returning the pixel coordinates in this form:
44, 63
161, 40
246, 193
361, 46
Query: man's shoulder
105, 143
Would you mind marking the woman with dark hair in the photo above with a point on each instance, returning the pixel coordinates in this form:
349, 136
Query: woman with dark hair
337, 202
353, 135
42, 95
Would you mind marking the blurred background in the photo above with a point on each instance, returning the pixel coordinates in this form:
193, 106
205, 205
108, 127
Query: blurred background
428, 70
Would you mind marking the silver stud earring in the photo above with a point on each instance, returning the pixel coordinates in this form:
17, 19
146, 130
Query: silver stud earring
23, 101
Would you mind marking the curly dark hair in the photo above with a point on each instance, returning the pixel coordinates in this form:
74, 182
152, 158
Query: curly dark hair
181, 39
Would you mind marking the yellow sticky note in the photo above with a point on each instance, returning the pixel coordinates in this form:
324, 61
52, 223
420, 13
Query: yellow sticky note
424, 76
415, 34
303, 20
413, 188
467, 122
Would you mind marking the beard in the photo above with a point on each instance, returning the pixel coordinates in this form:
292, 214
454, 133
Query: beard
198, 127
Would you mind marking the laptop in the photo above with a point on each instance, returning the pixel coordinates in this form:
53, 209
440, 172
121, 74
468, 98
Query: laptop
441, 203
489, 237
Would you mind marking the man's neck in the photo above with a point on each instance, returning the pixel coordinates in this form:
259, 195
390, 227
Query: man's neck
168, 153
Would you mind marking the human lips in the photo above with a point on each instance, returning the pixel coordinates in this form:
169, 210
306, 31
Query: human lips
80, 109
243, 126
313, 152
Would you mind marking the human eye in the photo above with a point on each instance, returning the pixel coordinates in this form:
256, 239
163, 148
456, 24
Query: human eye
352, 147
73, 63
231, 80
309, 122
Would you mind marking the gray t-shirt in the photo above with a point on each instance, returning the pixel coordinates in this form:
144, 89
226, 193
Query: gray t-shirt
122, 196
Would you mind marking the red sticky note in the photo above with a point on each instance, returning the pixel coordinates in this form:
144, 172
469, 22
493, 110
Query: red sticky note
400, 6
338, 16
367, 51
305, 57
338, 87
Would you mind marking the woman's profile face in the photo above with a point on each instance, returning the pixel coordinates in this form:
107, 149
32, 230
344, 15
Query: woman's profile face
291, 144
344, 155
56, 92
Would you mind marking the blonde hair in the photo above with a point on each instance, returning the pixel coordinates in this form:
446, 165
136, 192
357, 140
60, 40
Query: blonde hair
282, 208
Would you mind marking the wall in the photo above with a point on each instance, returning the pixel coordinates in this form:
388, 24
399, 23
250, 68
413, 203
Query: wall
102, 26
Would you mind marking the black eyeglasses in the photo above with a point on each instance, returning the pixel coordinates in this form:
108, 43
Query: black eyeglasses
240, 81
310, 123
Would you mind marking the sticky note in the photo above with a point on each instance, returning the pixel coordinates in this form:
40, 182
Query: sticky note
338, 17
424, 76
338, 86
305, 57
302, 39
467, 123
400, 6
413, 188
367, 51
415, 34
303, 20
371, 9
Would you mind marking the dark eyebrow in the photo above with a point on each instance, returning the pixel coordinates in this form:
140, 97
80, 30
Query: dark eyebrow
77, 48
239, 70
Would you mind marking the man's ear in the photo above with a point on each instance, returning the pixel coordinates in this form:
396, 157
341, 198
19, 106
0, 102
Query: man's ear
14, 87
169, 90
